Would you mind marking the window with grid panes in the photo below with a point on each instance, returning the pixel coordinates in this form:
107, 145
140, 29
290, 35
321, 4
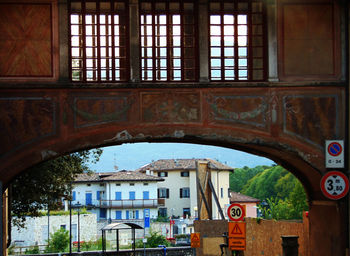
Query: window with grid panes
98, 41
237, 40
168, 40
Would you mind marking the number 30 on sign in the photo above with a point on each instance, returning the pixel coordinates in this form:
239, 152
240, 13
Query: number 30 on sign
236, 212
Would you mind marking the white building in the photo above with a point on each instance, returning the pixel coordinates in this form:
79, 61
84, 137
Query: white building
117, 196
179, 188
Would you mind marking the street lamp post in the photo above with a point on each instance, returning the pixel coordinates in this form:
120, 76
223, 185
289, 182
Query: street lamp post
78, 207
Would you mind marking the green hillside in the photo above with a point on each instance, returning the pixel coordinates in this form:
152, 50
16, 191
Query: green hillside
276, 186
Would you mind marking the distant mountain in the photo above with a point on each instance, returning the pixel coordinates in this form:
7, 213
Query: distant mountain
133, 156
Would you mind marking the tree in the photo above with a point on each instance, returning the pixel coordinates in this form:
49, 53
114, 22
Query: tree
43, 185
241, 176
156, 239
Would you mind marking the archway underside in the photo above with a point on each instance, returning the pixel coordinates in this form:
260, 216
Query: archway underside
287, 125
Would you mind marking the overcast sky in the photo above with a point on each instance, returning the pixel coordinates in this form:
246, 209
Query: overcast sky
133, 156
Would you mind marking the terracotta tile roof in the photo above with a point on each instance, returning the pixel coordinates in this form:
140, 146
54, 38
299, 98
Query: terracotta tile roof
182, 164
240, 198
115, 176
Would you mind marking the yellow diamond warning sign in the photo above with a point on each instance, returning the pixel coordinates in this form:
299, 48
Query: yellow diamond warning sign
195, 240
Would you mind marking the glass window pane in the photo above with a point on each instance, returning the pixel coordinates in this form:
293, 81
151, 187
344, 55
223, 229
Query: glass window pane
228, 19
215, 19
242, 19
215, 63
215, 30
215, 52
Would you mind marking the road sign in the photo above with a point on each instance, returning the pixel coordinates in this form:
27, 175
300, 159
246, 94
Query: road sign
236, 212
334, 154
146, 213
195, 240
237, 236
237, 244
236, 229
334, 185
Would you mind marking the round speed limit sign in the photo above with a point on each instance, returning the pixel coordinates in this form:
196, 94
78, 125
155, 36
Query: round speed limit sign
334, 185
235, 212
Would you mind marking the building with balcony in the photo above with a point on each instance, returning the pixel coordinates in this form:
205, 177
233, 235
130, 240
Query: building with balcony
117, 196
179, 188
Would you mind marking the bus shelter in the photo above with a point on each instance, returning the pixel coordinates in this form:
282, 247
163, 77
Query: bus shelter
116, 227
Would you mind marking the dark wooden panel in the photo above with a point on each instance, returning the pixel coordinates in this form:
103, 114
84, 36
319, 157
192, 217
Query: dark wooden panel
309, 41
26, 44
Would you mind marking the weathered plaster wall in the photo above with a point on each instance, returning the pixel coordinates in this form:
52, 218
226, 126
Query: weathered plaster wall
262, 238
36, 228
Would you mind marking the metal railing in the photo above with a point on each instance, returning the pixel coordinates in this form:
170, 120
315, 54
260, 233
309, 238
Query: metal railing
137, 203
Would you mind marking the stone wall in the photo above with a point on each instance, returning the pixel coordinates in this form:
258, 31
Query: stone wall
36, 229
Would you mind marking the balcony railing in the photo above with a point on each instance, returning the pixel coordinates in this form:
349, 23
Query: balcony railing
137, 203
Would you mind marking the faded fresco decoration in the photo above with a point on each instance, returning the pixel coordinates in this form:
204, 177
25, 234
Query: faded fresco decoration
247, 110
24, 121
312, 118
178, 107
90, 111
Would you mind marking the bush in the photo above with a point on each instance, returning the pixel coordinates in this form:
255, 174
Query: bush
155, 239
34, 250
59, 241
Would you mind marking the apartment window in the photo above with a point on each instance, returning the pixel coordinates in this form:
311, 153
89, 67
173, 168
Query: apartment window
118, 195
162, 174
185, 174
162, 212
63, 227
145, 195
237, 40
103, 213
132, 184
145, 184
118, 215
168, 40
132, 195
98, 41
163, 193
184, 192
118, 184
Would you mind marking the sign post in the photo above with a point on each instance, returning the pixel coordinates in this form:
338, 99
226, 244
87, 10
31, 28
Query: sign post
195, 240
334, 185
236, 228
236, 212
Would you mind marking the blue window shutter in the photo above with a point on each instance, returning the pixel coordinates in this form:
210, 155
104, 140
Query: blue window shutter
88, 198
127, 215
74, 196
98, 195
118, 195
118, 215
146, 195
132, 195
137, 214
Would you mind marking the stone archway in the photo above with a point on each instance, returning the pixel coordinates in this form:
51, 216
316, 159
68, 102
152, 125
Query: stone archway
288, 125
